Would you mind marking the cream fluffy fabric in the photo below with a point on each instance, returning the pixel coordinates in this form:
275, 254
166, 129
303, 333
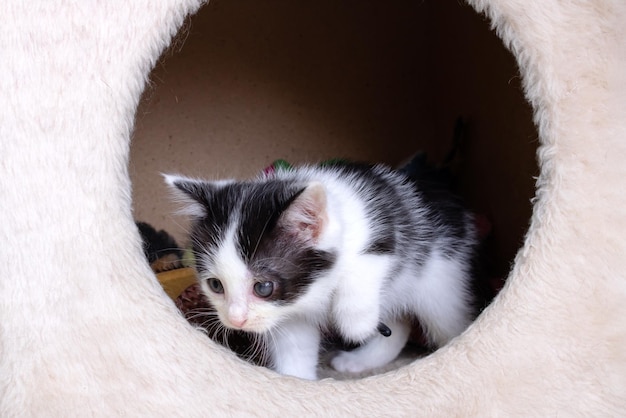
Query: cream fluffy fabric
77, 340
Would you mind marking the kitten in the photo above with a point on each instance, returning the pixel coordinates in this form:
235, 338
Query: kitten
348, 247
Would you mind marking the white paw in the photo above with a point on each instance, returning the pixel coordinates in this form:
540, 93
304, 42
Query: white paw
357, 326
297, 370
348, 362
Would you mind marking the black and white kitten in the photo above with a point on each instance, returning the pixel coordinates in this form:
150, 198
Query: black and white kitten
344, 247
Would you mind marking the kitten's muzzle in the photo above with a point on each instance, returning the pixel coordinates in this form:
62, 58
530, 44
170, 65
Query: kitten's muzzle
237, 316
238, 322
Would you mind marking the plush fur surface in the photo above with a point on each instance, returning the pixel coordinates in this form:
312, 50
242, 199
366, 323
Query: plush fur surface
77, 340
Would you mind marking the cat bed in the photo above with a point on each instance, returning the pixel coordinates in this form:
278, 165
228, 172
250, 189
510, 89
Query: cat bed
87, 330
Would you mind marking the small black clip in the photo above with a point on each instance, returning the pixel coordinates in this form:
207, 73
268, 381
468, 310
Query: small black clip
384, 330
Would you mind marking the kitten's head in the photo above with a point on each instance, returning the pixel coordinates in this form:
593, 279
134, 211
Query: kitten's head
257, 247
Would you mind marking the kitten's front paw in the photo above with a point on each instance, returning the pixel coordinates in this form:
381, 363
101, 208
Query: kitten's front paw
348, 362
357, 327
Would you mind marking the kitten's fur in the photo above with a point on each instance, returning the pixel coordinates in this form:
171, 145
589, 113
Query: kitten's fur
345, 247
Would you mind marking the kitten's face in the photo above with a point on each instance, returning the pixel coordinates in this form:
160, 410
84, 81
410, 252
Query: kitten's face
240, 297
255, 249
252, 296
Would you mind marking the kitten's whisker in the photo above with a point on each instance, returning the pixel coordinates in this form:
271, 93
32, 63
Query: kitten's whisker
224, 331
251, 350
190, 316
270, 334
258, 350
203, 311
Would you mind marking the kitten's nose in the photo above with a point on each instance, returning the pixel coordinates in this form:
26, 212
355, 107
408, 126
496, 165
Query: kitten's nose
238, 321
237, 315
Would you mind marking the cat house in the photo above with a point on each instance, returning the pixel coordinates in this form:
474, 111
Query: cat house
86, 328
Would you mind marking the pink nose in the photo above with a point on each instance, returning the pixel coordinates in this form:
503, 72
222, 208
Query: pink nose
238, 322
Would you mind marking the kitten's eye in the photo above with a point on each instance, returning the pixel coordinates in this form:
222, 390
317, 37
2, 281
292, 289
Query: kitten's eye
264, 289
215, 285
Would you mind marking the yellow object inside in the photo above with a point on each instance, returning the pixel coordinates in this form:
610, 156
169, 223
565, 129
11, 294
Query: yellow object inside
174, 282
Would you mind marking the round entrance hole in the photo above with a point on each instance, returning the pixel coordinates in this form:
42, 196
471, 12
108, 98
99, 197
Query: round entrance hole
248, 83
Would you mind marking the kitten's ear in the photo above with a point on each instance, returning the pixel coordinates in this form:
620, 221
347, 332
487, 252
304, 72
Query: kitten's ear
191, 193
307, 214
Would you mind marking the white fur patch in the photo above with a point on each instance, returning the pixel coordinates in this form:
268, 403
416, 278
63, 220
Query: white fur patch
357, 298
438, 296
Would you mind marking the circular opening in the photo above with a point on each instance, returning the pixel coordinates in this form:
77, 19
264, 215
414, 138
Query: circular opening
247, 83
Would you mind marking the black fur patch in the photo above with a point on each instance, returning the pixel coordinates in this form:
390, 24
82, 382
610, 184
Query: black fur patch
280, 258
291, 270
209, 231
262, 205
385, 244
446, 210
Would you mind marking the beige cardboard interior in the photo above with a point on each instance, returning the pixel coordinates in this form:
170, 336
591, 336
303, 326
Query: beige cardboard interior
250, 82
